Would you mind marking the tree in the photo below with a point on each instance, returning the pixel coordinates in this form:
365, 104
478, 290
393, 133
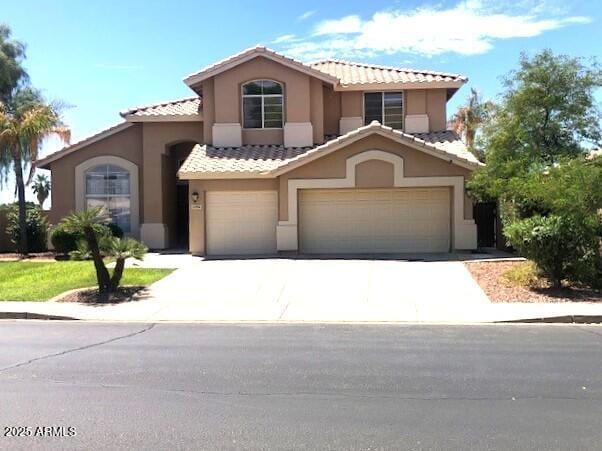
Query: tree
536, 154
25, 121
469, 118
12, 73
99, 243
41, 188
548, 112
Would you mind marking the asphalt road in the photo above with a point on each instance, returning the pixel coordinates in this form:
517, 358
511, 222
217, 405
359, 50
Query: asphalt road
320, 386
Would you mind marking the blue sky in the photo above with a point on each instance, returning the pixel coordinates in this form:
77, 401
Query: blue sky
102, 57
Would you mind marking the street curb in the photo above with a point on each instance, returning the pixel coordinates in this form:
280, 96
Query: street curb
566, 319
29, 315
573, 319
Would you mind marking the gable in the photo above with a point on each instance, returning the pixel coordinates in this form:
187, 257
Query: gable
416, 162
198, 77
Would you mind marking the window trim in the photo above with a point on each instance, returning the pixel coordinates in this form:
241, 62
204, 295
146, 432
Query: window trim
80, 186
382, 106
261, 96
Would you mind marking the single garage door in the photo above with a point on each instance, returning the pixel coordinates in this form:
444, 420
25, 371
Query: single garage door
374, 220
241, 222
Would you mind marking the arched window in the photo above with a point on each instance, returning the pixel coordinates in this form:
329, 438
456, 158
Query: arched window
262, 104
108, 187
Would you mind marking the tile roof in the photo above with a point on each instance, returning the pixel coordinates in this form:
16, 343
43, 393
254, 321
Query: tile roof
245, 159
350, 73
188, 106
266, 160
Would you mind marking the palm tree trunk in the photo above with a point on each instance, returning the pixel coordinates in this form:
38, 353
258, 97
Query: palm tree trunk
23, 247
117, 273
102, 274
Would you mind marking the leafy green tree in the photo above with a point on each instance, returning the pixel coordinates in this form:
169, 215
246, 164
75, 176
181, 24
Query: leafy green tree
536, 147
99, 243
26, 120
548, 112
41, 188
12, 73
36, 226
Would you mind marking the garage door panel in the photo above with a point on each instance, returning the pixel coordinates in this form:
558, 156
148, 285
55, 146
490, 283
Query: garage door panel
241, 222
373, 220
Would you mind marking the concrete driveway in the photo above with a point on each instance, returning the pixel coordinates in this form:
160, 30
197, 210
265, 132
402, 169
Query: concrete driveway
317, 290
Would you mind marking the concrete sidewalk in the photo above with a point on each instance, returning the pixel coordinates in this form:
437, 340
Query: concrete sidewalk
150, 311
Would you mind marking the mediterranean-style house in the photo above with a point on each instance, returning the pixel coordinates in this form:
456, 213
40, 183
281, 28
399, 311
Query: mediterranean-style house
273, 155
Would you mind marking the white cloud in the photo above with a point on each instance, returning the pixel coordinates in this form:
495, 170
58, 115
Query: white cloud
348, 24
284, 38
470, 27
306, 15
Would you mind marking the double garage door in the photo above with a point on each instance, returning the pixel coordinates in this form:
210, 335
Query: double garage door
338, 221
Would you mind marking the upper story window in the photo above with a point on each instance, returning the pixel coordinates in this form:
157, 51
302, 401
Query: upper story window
108, 187
384, 107
262, 104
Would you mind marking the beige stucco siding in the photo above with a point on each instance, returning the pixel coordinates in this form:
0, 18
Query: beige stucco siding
208, 110
436, 100
415, 101
317, 110
416, 164
352, 104
332, 111
431, 102
126, 144
263, 136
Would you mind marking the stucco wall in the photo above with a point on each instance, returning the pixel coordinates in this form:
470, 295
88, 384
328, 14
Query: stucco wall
332, 110
126, 144
352, 104
432, 102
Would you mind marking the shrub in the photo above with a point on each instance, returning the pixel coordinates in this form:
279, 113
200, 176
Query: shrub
522, 275
116, 231
36, 226
64, 241
561, 247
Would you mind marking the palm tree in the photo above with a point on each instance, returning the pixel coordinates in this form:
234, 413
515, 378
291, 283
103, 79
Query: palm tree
25, 121
41, 188
469, 118
99, 243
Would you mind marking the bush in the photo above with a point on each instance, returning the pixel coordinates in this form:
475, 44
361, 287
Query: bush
64, 241
561, 247
36, 223
116, 231
522, 275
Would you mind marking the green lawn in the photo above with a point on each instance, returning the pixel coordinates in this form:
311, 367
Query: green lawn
40, 281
